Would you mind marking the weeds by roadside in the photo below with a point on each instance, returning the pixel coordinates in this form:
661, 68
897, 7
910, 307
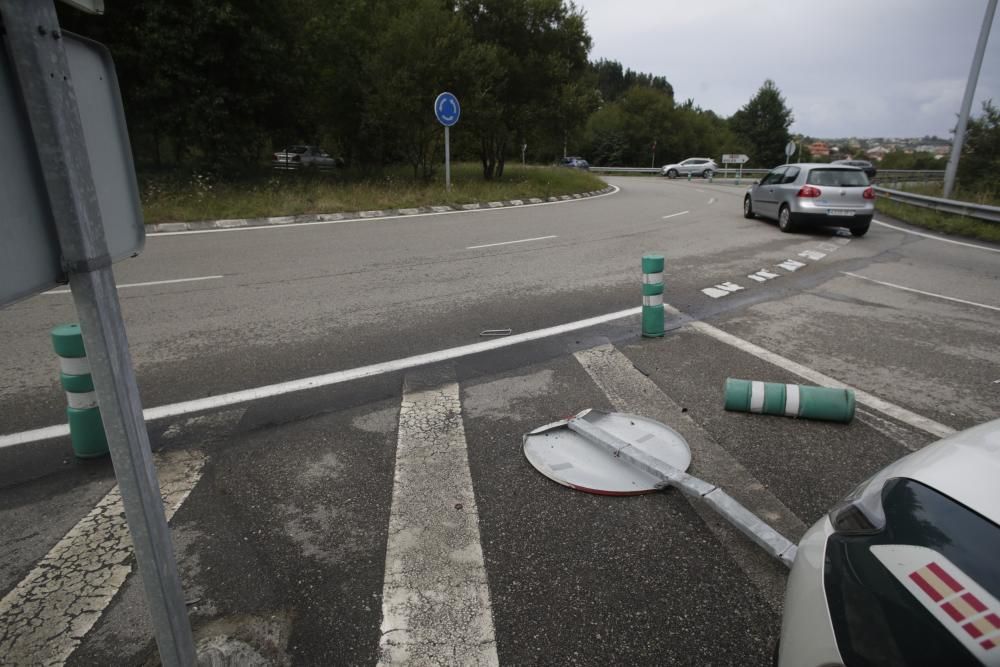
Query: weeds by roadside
944, 222
199, 196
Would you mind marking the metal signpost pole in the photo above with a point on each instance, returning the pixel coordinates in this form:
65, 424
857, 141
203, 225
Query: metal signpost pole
39, 58
447, 158
951, 170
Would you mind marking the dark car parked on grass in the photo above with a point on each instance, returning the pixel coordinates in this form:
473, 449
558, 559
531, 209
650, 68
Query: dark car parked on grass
574, 162
303, 157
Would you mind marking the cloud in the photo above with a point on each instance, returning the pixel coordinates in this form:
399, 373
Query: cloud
893, 67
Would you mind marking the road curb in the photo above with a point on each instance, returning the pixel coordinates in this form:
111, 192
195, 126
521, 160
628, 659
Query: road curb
164, 227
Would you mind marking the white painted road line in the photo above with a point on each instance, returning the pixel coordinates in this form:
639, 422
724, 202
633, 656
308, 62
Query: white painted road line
936, 238
317, 223
763, 275
435, 598
46, 616
154, 282
490, 245
674, 215
721, 290
791, 265
862, 397
917, 291
268, 391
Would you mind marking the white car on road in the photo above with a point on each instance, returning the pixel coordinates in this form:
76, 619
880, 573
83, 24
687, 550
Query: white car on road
906, 570
696, 166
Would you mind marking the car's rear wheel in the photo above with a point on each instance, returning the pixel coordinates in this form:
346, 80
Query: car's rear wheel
707, 173
785, 223
748, 208
860, 231
672, 173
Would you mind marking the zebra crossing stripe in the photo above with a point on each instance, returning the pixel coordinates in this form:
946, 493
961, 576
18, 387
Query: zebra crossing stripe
435, 599
47, 615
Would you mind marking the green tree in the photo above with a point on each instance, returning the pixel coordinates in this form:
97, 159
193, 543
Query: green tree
424, 49
613, 80
536, 48
898, 159
981, 153
175, 62
763, 124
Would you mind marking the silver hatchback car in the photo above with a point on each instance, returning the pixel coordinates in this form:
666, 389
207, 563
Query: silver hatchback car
813, 194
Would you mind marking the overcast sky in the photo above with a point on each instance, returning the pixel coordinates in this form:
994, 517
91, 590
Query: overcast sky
868, 68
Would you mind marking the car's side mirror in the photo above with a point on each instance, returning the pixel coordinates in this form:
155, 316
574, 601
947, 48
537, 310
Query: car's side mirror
757, 182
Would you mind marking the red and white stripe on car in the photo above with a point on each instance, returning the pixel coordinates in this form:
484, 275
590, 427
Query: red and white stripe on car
956, 600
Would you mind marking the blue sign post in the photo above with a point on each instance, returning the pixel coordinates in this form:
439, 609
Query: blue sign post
447, 110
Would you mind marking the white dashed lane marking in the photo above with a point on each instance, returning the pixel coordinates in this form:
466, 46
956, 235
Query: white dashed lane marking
791, 265
674, 215
47, 615
148, 284
763, 275
722, 289
436, 601
490, 245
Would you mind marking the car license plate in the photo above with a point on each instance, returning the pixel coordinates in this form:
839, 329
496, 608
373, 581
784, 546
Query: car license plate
840, 211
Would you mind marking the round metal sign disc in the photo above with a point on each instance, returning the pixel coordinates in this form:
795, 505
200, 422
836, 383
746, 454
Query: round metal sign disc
572, 460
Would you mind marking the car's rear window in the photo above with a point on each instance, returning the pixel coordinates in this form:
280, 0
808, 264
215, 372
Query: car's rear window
297, 149
837, 178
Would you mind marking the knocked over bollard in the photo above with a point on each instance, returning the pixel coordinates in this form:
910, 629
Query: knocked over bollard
652, 296
790, 400
86, 429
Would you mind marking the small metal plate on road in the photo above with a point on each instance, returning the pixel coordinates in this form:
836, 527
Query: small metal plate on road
571, 460
29, 248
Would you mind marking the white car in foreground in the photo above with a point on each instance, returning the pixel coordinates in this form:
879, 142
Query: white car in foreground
906, 571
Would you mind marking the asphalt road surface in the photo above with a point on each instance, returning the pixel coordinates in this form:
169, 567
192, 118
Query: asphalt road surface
383, 512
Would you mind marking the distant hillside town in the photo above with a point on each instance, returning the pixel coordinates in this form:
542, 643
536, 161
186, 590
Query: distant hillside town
908, 152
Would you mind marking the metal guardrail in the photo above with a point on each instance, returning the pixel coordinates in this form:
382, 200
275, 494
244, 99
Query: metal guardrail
968, 209
895, 176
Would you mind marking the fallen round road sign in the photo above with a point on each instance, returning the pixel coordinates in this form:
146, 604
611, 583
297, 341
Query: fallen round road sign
571, 459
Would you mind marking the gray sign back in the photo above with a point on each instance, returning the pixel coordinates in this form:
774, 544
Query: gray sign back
29, 248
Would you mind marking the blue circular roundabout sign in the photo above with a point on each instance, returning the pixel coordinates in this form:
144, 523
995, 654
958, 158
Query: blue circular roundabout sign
447, 109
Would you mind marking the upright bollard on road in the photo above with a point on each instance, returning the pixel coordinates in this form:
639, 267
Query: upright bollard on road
86, 429
652, 296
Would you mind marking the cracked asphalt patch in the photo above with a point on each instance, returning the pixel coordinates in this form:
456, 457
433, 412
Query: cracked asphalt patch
45, 617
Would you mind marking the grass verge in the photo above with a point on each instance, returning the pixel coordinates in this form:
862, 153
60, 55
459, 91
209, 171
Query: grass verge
947, 223
170, 198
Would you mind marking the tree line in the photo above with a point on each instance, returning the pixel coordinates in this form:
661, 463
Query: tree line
222, 84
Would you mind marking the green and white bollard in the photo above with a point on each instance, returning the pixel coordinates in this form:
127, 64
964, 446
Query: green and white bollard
86, 429
689, 176
652, 296
790, 400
